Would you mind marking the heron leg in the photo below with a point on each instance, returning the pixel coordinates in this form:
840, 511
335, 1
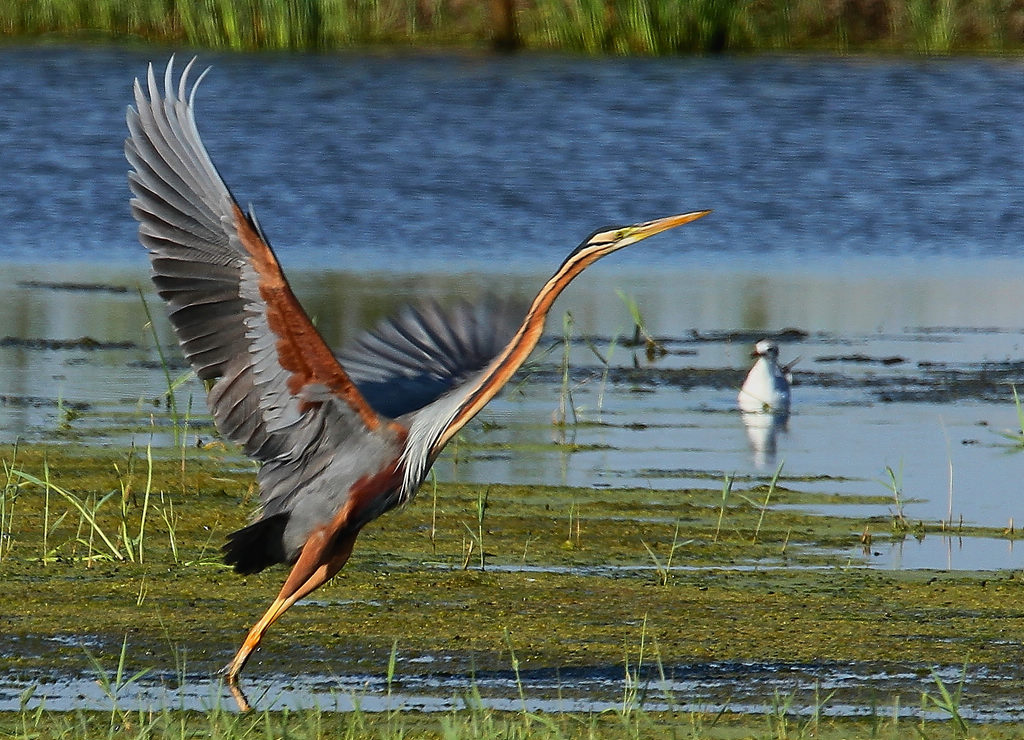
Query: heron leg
321, 558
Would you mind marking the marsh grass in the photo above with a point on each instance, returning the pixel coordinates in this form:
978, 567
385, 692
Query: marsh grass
1017, 436
633, 688
112, 523
8, 498
88, 510
67, 415
664, 570
933, 25
114, 517
477, 536
566, 404
767, 499
173, 384
726, 490
605, 359
579, 26
475, 722
113, 684
899, 523
677, 610
124, 546
641, 336
947, 702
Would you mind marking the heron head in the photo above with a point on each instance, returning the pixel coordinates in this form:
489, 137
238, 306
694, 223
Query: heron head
612, 238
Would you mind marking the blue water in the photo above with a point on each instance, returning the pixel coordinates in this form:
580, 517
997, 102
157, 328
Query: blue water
876, 204
408, 162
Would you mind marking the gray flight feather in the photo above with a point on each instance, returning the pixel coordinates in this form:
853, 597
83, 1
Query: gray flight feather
315, 448
203, 271
409, 361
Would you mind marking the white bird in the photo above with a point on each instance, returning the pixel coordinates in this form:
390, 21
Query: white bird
766, 389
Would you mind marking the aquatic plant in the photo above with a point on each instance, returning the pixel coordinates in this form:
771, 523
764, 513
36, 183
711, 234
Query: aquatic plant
933, 25
565, 399
632, 696
8, 497
606, 364
900, 524
122, 545
114, 684
726, 490
664, 570
1017, 437
172, 383
712, 609
948, 702
641, 336
570, 541
67, 414
134, 546
88, 509
767, 498
477, 537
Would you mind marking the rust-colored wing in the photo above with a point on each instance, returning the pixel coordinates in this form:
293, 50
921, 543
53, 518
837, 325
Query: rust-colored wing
279, 390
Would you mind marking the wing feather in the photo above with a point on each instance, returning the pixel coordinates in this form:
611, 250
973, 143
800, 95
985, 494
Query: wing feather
409, 361
278, 391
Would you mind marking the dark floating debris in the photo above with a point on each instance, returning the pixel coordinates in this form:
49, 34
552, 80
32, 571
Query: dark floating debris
87, 343
863, 359
21, 402
77, 287
750, 337
171, 363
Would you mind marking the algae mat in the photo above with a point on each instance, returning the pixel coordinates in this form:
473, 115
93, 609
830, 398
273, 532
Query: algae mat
557, 597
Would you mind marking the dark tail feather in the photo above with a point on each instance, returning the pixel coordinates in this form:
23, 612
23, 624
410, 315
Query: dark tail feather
258, 546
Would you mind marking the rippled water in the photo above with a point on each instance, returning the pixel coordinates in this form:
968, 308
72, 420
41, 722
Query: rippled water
873, 204
428, 158
830, 689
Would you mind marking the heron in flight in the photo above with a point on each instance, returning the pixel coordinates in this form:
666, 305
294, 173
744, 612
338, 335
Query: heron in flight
340, 440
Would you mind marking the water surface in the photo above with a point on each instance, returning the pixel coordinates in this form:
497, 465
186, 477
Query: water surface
874, 205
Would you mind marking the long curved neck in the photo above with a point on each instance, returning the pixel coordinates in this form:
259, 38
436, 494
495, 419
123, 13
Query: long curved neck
510, 359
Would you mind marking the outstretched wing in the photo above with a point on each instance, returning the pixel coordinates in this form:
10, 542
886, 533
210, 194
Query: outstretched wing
411, 360
279, 390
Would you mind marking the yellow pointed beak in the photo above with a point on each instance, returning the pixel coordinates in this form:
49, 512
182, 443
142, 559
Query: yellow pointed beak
604, 242
637, 232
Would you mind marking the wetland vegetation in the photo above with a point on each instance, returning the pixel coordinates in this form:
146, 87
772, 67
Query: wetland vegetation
649, 27
498, 598
111, 570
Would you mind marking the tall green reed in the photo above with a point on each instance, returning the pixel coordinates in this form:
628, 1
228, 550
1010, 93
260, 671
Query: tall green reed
8, 497
767, 498
172, 383
588, 26
566, 404
122, 540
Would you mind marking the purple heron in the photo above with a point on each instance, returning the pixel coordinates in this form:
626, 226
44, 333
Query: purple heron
340, 440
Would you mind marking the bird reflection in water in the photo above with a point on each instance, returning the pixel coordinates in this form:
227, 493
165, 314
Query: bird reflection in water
764, 401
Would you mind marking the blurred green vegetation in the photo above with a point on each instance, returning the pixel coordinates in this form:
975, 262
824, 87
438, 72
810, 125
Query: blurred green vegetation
643, 27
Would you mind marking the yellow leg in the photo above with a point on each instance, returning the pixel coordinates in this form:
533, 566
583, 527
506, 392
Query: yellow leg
316, 565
